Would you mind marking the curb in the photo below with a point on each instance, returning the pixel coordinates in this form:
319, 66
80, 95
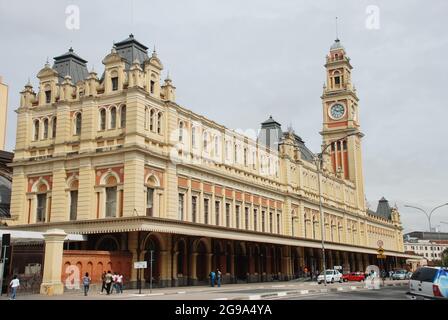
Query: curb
312, 291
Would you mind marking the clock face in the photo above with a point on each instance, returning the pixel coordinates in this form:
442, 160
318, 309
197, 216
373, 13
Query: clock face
337, 111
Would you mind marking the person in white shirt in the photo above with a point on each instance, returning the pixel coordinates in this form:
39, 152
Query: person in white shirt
14, 284
120, 282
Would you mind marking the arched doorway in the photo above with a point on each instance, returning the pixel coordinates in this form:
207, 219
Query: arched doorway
152, 244
201, 263
240, 263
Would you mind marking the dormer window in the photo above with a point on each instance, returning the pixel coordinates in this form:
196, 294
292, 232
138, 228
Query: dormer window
151, 86
114, 83
48, 96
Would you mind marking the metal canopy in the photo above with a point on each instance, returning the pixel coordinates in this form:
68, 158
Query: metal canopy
20, 236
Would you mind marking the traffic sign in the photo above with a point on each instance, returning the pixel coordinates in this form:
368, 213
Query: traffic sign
380, 243
380, 251
140, 265
381, 256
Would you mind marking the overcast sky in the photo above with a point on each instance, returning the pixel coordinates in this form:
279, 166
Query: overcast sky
237, 62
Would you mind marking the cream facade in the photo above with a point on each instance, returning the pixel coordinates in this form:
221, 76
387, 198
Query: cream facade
3, 112
115, 157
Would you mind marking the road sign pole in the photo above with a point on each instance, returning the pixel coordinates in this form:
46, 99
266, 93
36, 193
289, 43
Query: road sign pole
150, 265
3, 269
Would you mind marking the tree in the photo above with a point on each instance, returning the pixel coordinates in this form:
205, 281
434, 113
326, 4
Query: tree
445, 258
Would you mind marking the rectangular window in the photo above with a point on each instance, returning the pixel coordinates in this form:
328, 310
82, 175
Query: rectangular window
227, 214
149, 201
255, 220
237, 216
337, 80
114, 83
48, 96
193, 208
181, 206
246, 218
278, 223
263, 221
73, 204
206, 201
152, 86
111, 201
217, 209
270, 222
41, 207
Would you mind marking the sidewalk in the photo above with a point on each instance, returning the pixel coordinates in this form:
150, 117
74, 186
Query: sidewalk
251, 291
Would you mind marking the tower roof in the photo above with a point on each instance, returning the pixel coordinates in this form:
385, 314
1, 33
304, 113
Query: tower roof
70, 64
383, 210
270, 121
337, 45
130, 49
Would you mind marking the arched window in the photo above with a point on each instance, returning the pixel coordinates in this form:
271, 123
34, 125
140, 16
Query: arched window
181, 131
159, 122
216, 145
103, 119
41, 202
113, 117
78, 122
245, 157
193, 137
46, 129
36, 130
53, 131
146, 118
111, 197
235, 153
205, 138
123, 117
74, 200
151, 120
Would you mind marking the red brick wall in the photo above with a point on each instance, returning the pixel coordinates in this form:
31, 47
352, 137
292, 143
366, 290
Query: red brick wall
95, 262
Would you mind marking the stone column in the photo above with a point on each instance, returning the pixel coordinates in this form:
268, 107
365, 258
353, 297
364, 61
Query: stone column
192, 276
346, 264
54, 248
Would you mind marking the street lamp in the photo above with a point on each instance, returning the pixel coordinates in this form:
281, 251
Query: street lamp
319, 163
426, 213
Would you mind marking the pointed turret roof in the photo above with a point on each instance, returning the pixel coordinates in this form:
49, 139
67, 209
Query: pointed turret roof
337, 45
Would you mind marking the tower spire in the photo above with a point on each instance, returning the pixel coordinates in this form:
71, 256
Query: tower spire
337, 35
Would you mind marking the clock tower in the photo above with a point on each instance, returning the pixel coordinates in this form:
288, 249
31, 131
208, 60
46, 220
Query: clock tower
340, 119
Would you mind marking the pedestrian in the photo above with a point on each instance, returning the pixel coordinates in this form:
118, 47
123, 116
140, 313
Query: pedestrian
218, 277
103, 280
391, 273
115, 283
86, 282
109, 279
212, 278
14, 284
120, 283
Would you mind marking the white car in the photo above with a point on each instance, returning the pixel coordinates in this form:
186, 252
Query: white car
429, 283
331, 276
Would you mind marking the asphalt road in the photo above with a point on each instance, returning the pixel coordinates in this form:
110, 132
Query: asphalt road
387, 293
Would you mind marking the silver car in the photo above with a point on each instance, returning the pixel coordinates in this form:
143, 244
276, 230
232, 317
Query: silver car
400, 275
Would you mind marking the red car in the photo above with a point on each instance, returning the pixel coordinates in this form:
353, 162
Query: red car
353, 276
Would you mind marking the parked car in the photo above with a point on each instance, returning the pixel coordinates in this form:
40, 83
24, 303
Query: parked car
429, 283
400, 275
353, 276
331, 276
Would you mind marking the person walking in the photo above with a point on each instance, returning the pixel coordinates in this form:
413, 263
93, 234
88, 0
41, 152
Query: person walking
212, 278
114, 283
218, 277
109, 280
391, 273
14, 284
103, 280
86, 282
120, 283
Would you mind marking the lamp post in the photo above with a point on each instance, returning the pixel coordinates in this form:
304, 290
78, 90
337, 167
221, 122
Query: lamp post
428, 215
319, 163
